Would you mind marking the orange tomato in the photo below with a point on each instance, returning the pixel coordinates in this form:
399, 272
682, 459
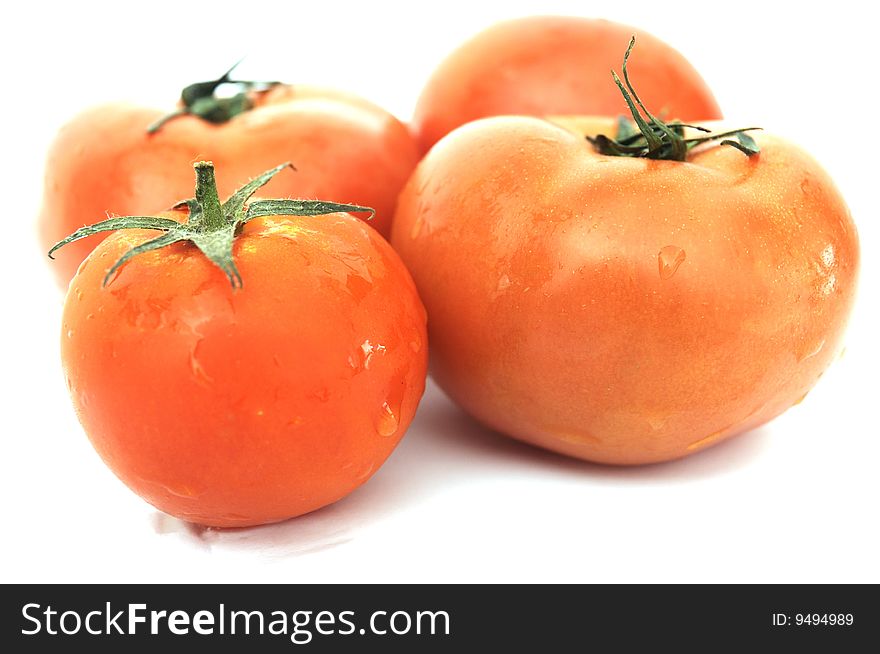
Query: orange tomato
232, 407
343, 147
547, 65
621, 309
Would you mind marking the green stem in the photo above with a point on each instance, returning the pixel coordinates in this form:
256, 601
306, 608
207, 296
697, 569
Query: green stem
157, 125
207, 197
200, 100
210, 226
656, 139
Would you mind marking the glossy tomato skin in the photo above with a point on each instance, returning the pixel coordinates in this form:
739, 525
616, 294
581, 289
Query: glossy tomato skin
548, 65
233, 408
344, 148
624, 310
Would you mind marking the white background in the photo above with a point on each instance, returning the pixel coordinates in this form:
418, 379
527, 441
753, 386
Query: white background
793, 501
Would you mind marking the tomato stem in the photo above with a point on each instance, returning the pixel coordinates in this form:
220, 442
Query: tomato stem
656, 139
210, 225
201, 100
207, 198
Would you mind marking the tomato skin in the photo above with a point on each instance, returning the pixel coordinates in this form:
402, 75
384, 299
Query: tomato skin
344, 148
234, 408
548, 65
624, 310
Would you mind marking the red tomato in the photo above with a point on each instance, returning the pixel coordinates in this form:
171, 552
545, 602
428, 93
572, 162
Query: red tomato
622, 309
104, 160
233, 407
550, 65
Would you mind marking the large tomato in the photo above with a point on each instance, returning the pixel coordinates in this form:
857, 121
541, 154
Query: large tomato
547, 65
624, 309
105, 160
232, 406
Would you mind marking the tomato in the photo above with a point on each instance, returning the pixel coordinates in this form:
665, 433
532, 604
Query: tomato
105, 160
622, 309
230, 406
547, 65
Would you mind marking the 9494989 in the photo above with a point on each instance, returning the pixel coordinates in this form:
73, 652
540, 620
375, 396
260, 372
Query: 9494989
812, 619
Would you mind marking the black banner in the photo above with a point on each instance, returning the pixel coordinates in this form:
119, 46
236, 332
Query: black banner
418, 618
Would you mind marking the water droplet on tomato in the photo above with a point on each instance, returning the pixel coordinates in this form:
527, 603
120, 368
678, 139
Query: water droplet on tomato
182, 491
365, 472
82, 266
70, 333
827, 256
829, 285
417, 226
577, 437
322, 394
369, 350
196, 367
810, 352
416, 345
801, 398
669, 259
503, 283
387, 422
365, 355
358, 286
704, 442
657, 422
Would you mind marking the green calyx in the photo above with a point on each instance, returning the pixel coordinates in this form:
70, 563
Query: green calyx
200, 99
651, 138
211, 225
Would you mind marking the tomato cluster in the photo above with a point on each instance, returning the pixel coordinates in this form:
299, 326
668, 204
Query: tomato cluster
618, 289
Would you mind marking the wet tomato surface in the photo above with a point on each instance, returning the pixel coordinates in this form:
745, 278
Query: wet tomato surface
104, 160
233, 407
618, 309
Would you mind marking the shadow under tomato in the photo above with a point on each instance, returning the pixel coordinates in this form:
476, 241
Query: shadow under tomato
450, 433
310, 533
446, 448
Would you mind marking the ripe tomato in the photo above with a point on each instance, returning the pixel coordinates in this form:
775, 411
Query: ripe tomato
622, 309
233, 407
546, 65
104, 160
